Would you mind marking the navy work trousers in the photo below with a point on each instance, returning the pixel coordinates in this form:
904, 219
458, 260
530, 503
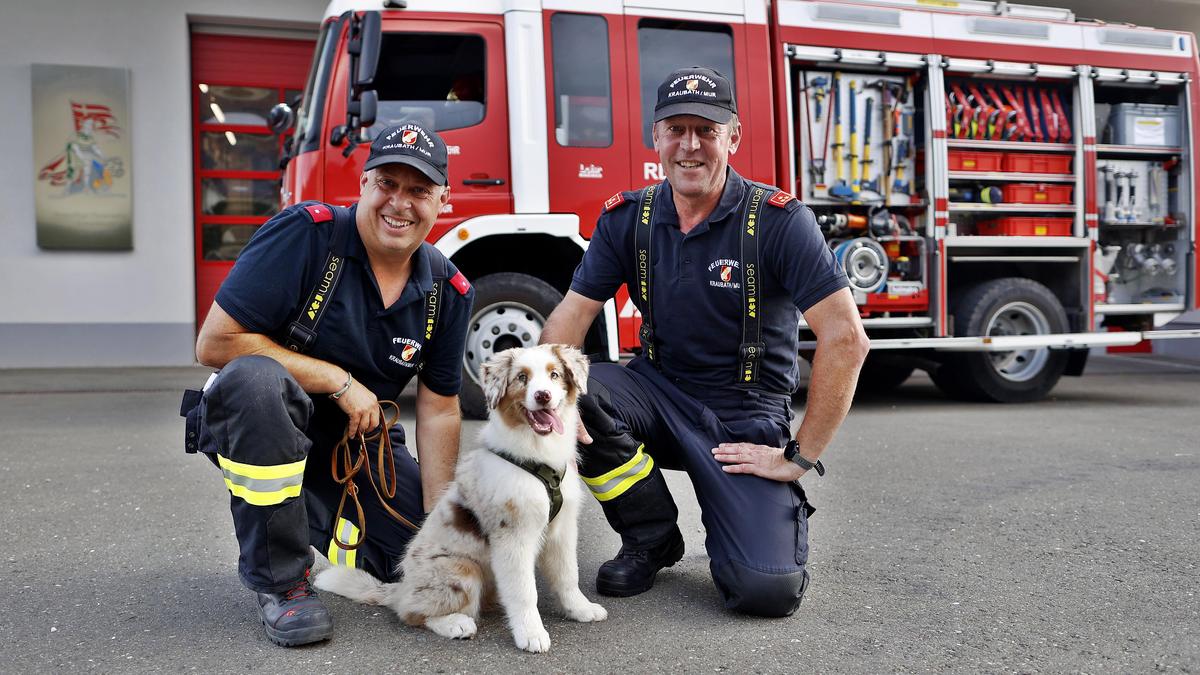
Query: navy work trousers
260, 428
757, 529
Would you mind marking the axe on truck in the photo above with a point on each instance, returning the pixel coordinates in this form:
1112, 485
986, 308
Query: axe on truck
891, 93
840, 189
865, 161
852, 156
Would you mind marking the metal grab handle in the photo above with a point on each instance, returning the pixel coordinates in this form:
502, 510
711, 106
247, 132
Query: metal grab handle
483, 181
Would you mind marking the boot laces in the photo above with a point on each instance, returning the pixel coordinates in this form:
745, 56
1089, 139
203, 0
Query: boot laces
301, 590
635, 554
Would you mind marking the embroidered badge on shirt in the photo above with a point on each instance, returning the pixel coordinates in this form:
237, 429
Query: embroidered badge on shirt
460, 283
780, 199
319, 213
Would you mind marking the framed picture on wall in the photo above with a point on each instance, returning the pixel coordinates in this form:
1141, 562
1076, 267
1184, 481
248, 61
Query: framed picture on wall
82, 155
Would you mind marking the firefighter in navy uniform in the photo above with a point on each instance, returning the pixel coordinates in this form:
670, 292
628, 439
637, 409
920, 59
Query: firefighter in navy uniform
364, 305
720, 268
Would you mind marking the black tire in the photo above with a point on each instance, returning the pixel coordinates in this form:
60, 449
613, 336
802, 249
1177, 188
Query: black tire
945, 378
510, 310
1008, 306
881, 374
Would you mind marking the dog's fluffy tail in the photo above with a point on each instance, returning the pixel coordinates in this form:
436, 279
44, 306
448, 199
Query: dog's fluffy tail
356, 584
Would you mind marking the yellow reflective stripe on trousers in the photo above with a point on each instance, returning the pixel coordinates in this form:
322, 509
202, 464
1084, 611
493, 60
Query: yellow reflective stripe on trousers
616, 482
262, 485
347, 532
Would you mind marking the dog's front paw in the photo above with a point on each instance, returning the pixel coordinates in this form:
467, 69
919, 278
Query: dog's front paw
455, 626
532, 639
586, 612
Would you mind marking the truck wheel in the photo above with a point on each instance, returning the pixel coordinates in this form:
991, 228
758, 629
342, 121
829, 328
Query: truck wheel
880, 375
1009, 306
510, 310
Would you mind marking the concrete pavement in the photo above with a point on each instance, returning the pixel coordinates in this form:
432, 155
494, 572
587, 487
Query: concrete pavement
1059, 536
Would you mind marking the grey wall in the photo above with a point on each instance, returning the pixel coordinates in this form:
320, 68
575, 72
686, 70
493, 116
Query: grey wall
120, 308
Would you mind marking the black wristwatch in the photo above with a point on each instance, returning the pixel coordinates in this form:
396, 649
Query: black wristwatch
791, 452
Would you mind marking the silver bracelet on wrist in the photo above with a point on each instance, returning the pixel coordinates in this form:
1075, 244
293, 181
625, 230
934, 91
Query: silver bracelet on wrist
345, 387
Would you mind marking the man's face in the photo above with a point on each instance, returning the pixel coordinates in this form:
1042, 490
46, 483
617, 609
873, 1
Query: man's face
695, 152
397, 208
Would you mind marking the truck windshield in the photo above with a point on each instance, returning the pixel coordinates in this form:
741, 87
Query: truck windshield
437, 79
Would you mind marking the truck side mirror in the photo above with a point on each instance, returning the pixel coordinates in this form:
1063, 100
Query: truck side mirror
368, 102
362, 101
369, 38
281, 119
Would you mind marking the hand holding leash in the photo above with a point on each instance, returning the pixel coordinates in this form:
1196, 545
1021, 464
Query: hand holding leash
360, 405
345, 465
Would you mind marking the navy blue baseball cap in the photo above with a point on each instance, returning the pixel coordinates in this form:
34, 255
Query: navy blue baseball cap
696, 91
412, 144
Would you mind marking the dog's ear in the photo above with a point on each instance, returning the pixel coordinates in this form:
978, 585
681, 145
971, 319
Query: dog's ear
495, 376
575, 364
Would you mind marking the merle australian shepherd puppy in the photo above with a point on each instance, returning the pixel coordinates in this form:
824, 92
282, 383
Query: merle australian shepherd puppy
513, 505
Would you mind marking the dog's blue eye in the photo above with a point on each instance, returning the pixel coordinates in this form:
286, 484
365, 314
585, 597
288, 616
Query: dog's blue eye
521, 378
554, 374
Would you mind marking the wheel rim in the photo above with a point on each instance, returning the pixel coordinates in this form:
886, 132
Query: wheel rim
500, 326
1019, 318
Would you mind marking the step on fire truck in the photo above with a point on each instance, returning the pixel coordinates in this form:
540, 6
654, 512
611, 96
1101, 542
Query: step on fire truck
1006, 186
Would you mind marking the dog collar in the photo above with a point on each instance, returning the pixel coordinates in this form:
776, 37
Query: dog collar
551, 479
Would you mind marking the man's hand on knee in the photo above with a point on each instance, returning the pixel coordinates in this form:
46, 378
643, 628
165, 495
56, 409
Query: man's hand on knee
759, 460
582, 435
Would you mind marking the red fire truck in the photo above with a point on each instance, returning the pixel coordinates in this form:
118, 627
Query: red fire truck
1007, 186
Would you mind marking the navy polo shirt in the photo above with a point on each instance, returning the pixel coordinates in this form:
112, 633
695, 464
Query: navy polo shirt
381, 346
697, 278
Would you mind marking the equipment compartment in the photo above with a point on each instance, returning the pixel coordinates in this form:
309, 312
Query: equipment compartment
1034, 162
1018, 226
1036, 193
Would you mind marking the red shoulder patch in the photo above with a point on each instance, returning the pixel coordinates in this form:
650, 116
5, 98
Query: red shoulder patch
319, 213
615, 200
460, 283
780, 199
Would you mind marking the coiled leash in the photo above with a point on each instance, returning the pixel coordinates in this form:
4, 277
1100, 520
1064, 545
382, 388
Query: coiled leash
344, 470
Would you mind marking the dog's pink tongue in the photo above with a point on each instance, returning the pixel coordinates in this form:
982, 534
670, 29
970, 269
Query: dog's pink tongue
547, 418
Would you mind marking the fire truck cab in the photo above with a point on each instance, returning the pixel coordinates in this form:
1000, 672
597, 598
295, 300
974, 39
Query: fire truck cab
1006, 186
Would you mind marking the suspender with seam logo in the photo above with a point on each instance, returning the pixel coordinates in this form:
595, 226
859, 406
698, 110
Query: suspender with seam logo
433, 300
645, 248
752, 347
303, 331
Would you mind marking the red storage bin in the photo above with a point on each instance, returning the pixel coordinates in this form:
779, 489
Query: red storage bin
1025, 226
890, 302
968, 160
1036, 162
1035, 193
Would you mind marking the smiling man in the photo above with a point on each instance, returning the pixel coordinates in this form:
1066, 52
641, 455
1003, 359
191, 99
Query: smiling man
720, 268
328, 312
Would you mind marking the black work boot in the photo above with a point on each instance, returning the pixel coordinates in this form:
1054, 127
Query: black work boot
295, 616
633, 570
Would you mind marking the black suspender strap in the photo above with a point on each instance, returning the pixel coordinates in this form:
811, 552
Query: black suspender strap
303, 331
752, 346
433, 300
645, 261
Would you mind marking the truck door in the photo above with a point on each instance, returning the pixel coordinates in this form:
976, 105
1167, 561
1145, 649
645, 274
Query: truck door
663, 45
588, 147
449, 75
